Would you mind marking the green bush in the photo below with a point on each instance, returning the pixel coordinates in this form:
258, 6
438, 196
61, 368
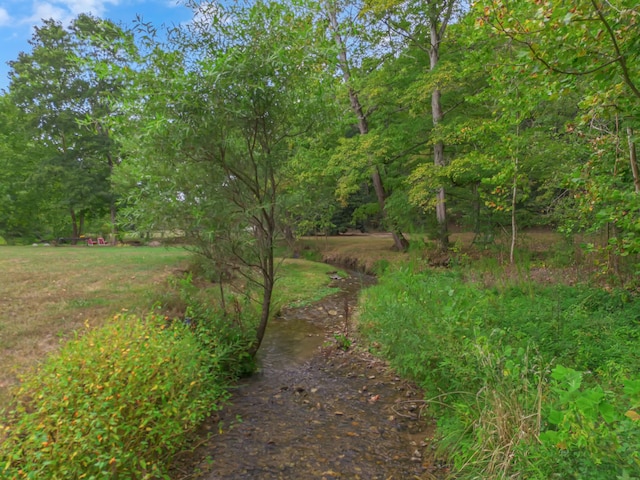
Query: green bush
595, 431
225, 334
116, 403
484, 358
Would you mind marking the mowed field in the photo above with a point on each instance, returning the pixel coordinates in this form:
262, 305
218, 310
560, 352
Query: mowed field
47, 293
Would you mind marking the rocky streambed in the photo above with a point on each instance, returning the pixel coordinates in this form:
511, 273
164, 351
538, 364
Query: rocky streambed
317, 411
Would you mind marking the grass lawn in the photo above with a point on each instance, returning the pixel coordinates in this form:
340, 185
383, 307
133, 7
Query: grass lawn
46, 293
370, 250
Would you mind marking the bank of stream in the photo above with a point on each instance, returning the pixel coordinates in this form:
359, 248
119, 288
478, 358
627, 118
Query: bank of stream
316, 411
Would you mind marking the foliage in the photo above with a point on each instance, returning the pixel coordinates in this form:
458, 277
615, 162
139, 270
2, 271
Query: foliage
20, 216
116, 402
484, 357
585, 48
342, 341
223, 329
65, 105
592, 425
212, 152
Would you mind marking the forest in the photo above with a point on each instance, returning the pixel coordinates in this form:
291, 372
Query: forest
386, 116
262, 122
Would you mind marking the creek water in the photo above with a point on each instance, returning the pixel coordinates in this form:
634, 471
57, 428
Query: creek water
315, 411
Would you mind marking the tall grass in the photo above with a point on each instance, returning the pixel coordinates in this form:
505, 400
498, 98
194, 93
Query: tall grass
490, 362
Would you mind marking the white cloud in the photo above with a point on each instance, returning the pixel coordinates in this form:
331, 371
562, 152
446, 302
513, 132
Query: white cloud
45, 11
65, 10
97, 7
5, 18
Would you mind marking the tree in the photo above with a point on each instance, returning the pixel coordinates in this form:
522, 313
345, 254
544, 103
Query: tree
22, 205
588, 46
424, 24
58, 94
337, 32
225, 110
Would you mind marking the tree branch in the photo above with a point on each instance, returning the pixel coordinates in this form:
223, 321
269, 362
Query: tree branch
620, 57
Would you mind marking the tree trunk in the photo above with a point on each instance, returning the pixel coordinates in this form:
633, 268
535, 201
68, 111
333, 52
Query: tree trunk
438, 147
265, 238
264, 314
112, 200
514, 225
633, 159
74, 227
400, 242
475, 209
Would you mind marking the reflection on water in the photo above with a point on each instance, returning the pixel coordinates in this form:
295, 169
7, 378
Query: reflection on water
293, 338
288, 342
314, 413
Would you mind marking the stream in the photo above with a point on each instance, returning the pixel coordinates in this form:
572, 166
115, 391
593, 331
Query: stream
315, 411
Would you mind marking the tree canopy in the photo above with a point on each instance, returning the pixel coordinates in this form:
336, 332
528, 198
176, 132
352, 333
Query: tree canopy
267, 120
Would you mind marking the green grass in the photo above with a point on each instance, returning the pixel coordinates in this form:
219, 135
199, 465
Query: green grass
301, 283
48, 292
538, 380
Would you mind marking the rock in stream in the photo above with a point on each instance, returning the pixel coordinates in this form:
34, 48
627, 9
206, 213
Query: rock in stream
315, 411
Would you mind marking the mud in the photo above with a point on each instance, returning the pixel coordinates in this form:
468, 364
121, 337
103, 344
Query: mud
316, 411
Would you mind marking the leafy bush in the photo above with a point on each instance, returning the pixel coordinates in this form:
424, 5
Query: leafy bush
224, 330
115, 403
484, 358
595, 430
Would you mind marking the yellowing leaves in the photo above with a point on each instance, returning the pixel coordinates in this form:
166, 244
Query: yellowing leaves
633, 415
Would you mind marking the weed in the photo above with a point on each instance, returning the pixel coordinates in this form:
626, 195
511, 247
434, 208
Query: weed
343, 342
484, 356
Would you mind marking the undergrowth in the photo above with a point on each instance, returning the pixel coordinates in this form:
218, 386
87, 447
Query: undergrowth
527, 381
119, 401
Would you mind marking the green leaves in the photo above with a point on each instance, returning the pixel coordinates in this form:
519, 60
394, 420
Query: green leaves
67, 106
116, 402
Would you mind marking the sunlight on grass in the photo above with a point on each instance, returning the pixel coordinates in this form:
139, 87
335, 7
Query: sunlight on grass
47, 293
302, 282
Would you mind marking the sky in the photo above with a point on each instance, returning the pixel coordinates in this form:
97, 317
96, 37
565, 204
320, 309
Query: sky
18, 17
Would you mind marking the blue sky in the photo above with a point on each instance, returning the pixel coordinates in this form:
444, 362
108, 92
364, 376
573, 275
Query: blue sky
18, 17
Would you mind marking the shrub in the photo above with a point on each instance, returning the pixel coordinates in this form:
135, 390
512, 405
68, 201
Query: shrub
595, 431
118, 402
484, 357
225, 330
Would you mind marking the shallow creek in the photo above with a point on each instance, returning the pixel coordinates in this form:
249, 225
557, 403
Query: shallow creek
314, 411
